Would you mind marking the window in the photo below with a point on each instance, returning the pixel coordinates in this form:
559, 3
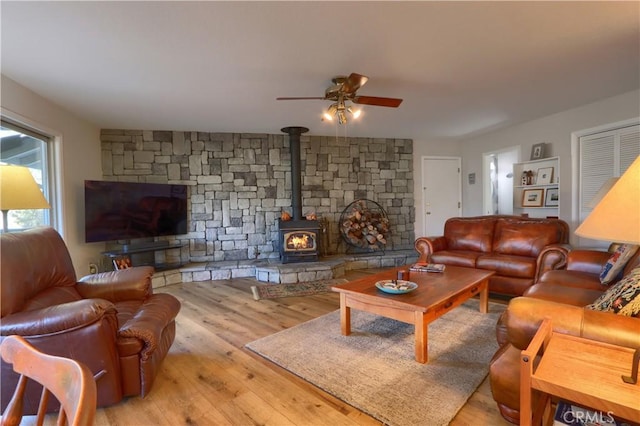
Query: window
27, 147
602, 156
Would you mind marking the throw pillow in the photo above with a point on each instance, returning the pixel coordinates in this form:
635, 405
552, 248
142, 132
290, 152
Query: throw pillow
621, 298
616, 262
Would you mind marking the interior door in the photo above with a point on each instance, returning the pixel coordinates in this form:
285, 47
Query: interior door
441, 192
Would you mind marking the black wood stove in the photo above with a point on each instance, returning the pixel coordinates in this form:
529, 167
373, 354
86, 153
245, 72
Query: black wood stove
299, 238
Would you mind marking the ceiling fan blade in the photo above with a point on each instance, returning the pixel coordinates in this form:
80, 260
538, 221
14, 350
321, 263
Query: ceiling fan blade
298, 98
377, 101
353, 83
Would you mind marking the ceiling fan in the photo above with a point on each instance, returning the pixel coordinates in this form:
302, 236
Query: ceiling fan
344, 89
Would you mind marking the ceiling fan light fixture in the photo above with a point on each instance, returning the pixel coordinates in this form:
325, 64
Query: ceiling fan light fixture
342, 117
344, 88
340, 110
355, 112
331, 112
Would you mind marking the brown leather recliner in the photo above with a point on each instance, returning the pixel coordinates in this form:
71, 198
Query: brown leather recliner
111, 322
561, 296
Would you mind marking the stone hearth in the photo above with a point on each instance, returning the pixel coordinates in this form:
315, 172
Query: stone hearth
273, 271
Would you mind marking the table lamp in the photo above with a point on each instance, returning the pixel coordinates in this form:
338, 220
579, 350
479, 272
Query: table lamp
18, 191
617, 216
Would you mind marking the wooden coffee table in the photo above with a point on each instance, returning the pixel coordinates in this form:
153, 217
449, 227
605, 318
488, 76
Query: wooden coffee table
437, 294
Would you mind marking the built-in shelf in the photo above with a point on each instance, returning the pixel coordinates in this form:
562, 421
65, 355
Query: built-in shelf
138, 258
140, 249
531, 196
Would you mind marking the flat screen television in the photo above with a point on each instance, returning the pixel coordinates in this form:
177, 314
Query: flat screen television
127, 210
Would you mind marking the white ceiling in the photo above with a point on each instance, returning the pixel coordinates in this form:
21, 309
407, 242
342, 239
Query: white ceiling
462, 68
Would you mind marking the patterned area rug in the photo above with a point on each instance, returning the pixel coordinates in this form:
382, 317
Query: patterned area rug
275, 291
374, 368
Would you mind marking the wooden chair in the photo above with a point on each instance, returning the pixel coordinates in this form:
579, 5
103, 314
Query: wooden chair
70, 382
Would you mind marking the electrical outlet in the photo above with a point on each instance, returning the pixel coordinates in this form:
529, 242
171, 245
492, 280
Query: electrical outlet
93, 268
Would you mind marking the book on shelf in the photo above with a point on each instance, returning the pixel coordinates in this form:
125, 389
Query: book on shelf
427, 267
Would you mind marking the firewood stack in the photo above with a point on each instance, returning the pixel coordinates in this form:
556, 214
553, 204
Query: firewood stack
365, 228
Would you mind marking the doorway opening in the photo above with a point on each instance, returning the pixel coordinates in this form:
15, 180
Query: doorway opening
498, 180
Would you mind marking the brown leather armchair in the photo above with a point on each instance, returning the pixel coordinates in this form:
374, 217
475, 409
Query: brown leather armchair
111, 322
522, 319
560, 295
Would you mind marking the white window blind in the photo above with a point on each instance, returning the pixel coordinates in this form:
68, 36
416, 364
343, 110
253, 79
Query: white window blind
602, 156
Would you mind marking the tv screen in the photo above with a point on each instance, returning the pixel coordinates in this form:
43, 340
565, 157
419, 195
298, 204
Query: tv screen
126, 210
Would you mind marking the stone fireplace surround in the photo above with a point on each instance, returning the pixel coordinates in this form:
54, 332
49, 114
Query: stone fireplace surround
240, 183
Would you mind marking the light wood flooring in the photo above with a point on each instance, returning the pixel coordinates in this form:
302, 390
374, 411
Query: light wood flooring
208, 378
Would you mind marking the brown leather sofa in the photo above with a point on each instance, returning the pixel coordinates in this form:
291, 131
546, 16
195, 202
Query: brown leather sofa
518, 249
560, 295
111, 322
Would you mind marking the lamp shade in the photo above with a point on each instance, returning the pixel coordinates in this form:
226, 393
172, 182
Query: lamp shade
617, 216
18, 189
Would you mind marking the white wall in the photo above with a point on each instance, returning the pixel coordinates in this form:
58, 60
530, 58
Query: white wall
554, 130
78, 146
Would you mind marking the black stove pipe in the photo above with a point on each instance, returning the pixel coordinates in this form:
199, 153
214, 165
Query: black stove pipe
294, 133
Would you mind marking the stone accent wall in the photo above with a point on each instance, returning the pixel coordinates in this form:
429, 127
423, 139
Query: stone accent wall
240, 183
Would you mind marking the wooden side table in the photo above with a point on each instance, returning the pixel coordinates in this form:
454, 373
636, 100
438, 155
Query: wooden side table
586, 372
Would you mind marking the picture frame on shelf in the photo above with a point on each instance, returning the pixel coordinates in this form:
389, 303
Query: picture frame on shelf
544, 176
532, 197
551, 198
537, 151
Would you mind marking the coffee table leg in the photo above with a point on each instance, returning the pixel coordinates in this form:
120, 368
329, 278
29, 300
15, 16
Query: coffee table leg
345, 315
421, 337
484, 297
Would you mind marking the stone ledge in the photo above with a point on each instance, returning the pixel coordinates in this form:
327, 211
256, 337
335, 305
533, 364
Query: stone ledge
273, 271
291, 273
